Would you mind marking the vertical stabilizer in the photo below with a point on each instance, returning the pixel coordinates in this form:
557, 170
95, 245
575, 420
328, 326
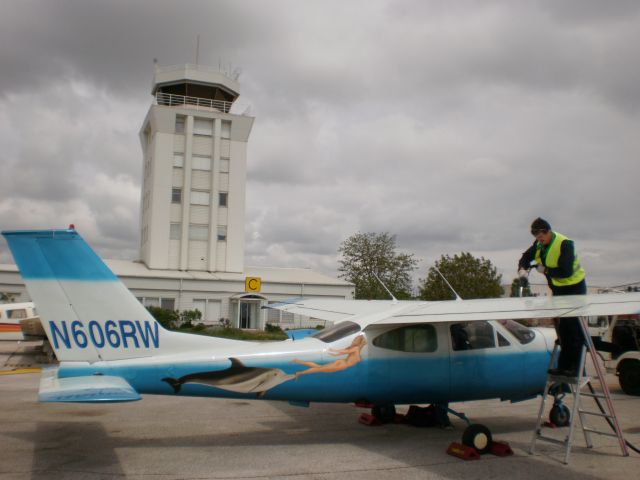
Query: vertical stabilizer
87, 313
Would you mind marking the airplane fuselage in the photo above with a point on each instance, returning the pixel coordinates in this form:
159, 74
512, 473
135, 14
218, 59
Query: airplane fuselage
395, 364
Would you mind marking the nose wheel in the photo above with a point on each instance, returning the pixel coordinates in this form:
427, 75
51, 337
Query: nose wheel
477, 436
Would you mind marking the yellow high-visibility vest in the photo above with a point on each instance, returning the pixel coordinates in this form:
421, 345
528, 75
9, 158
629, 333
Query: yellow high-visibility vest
551, 261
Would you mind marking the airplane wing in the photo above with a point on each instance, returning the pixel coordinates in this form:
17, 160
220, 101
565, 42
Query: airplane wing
517, 308
87, 389
381, 312
333, 310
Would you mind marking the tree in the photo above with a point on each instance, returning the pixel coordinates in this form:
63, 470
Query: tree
366, 254
469, 276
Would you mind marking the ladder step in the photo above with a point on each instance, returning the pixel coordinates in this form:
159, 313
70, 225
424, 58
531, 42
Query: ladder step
551, 440
593, 395
599, 432
595, 414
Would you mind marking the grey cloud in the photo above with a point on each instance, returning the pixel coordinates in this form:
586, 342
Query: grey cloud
449, 124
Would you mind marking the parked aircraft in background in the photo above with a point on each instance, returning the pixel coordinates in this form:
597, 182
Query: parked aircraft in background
11, 314
382, 353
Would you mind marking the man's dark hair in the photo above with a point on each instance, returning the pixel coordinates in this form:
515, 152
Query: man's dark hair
540, 225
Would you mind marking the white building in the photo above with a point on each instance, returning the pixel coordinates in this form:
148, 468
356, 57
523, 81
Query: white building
192, 211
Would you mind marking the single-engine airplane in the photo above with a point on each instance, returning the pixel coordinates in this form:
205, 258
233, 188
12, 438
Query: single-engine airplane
382, 353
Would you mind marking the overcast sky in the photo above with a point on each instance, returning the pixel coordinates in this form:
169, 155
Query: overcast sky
451, 124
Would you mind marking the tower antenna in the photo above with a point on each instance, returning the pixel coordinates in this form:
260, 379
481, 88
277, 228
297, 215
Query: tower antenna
197, 48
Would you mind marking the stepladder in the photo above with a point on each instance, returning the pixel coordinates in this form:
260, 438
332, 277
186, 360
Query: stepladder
589, 400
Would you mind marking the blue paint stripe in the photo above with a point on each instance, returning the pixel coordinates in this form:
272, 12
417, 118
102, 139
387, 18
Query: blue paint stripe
56, 254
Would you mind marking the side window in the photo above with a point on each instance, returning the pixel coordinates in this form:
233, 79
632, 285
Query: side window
17, 314
502, 342
472, 335
413, 338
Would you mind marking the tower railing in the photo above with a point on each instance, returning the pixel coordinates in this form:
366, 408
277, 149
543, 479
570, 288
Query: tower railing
172, 100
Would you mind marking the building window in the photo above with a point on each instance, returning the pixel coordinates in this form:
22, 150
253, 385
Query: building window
198, 232
203, 126
175, 231
226, 129
201, 163
166, 303
199, 198
222, 233
222, 199
180, 121
178, 160
176, 195
224, 165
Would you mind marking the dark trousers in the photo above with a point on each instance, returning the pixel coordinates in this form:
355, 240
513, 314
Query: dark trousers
569, 331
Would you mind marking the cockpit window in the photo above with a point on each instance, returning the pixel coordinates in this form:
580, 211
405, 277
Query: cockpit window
523, 334
472, 335
341, 330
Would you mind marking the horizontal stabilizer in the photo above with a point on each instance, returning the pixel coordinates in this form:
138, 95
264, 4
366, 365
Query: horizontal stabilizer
86, 389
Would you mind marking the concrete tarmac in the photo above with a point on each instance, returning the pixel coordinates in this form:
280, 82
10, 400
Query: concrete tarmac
201, 438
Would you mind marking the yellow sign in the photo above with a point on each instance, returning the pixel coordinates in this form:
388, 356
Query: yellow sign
252, 284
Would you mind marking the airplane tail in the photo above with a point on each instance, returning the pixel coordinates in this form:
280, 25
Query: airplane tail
87, 313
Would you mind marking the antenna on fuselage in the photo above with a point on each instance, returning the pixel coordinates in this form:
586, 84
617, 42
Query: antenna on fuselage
395, 300
458, 297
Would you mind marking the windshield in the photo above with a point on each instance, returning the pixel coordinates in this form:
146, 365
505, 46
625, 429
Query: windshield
341, 330
523, 334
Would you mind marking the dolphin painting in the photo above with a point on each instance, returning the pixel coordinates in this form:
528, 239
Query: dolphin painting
236, 378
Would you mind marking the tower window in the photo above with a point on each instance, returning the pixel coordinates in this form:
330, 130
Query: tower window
201, 163
175, 231
178, 160
198, 232
222, 199
224, 165
176, 195
226, 129
199, 198
180, 120
202, 126
222, 233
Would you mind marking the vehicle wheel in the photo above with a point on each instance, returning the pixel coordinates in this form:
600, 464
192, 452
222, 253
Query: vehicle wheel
560, 415
629, 377
384, 413
477, 436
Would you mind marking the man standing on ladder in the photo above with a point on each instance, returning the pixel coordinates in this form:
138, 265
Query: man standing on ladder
554, 256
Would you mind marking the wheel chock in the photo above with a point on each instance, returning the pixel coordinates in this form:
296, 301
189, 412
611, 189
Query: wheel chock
368, 419
500, 449
462, 451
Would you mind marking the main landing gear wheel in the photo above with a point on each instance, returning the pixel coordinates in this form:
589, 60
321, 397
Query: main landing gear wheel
477, 436
560, 415
384, 413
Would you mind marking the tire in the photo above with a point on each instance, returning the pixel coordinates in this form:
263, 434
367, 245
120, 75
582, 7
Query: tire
629, 377
477, 436
384, 413
560, 415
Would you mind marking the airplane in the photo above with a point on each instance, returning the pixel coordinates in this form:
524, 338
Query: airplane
379, 353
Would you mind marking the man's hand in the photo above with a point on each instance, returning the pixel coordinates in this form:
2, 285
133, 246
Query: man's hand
522, 273
541, 268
